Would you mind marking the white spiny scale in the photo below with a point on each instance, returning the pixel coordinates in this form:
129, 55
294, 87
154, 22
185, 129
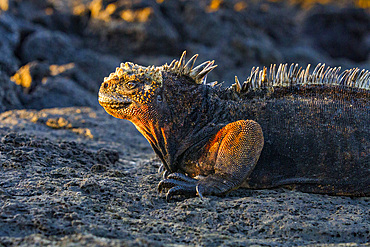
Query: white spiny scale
205, 71
326, 75
358, 77
250, 78
364, 79
204, 81
213, 83
334, 72
332, 79
264, 76
314, 73
337, 74
366, 83
297, 76
286, 74
354, 76
175, 66
333, 76
294, 70
190, 64
181, 62
292, 77
270, 76
322, 73
172, 64
348, 77
237, 84
199, 68
246, 85
340, 77
273, 75
282, 75
106, 79
260, 75
316, 77
195, 72
289, 76
306, 74
343, 78
290, 72
277, 76
254, 79
302, 77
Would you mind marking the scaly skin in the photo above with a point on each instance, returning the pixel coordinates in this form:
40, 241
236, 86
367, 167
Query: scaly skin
210, 139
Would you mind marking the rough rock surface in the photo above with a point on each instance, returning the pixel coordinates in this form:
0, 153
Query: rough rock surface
76, 175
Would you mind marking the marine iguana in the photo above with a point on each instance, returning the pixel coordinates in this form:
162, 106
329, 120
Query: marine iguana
283, 127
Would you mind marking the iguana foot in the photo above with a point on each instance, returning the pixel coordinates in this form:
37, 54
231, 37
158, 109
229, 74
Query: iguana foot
162, 170
178, 184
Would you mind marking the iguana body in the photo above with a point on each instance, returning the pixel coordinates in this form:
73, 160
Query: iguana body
313, 129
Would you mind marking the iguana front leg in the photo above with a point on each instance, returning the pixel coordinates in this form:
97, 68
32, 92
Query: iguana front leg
233, 153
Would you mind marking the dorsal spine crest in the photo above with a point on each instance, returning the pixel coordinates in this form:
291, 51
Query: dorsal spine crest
296, 76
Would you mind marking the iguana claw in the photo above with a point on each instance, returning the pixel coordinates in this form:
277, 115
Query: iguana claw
178, 184
164, 173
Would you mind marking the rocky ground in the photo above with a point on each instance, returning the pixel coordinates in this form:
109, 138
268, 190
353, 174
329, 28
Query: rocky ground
76, 175
72, 175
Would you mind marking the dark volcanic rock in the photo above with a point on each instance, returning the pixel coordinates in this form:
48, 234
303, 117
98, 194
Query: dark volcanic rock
59, 92
130, 27
9, 94
49, 46
47, 86
76, 175
10, 37
342, 33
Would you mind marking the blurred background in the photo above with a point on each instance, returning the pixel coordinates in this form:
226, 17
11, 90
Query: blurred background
55, 53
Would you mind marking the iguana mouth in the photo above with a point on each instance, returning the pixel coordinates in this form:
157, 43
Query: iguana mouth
115, 102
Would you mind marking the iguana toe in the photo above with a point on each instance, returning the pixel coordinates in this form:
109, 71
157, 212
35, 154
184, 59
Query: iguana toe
178, 184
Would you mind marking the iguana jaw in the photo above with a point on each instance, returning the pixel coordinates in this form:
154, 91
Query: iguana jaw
115, 102
117, 106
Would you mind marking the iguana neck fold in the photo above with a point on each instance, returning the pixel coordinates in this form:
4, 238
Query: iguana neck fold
169, 133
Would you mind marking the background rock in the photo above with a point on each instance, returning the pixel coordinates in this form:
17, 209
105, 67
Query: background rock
96, 35
349, 26
9, 94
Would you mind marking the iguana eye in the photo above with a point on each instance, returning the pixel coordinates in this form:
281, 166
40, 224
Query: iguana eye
131, 84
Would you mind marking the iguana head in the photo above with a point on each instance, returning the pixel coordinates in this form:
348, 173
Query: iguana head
135, 92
